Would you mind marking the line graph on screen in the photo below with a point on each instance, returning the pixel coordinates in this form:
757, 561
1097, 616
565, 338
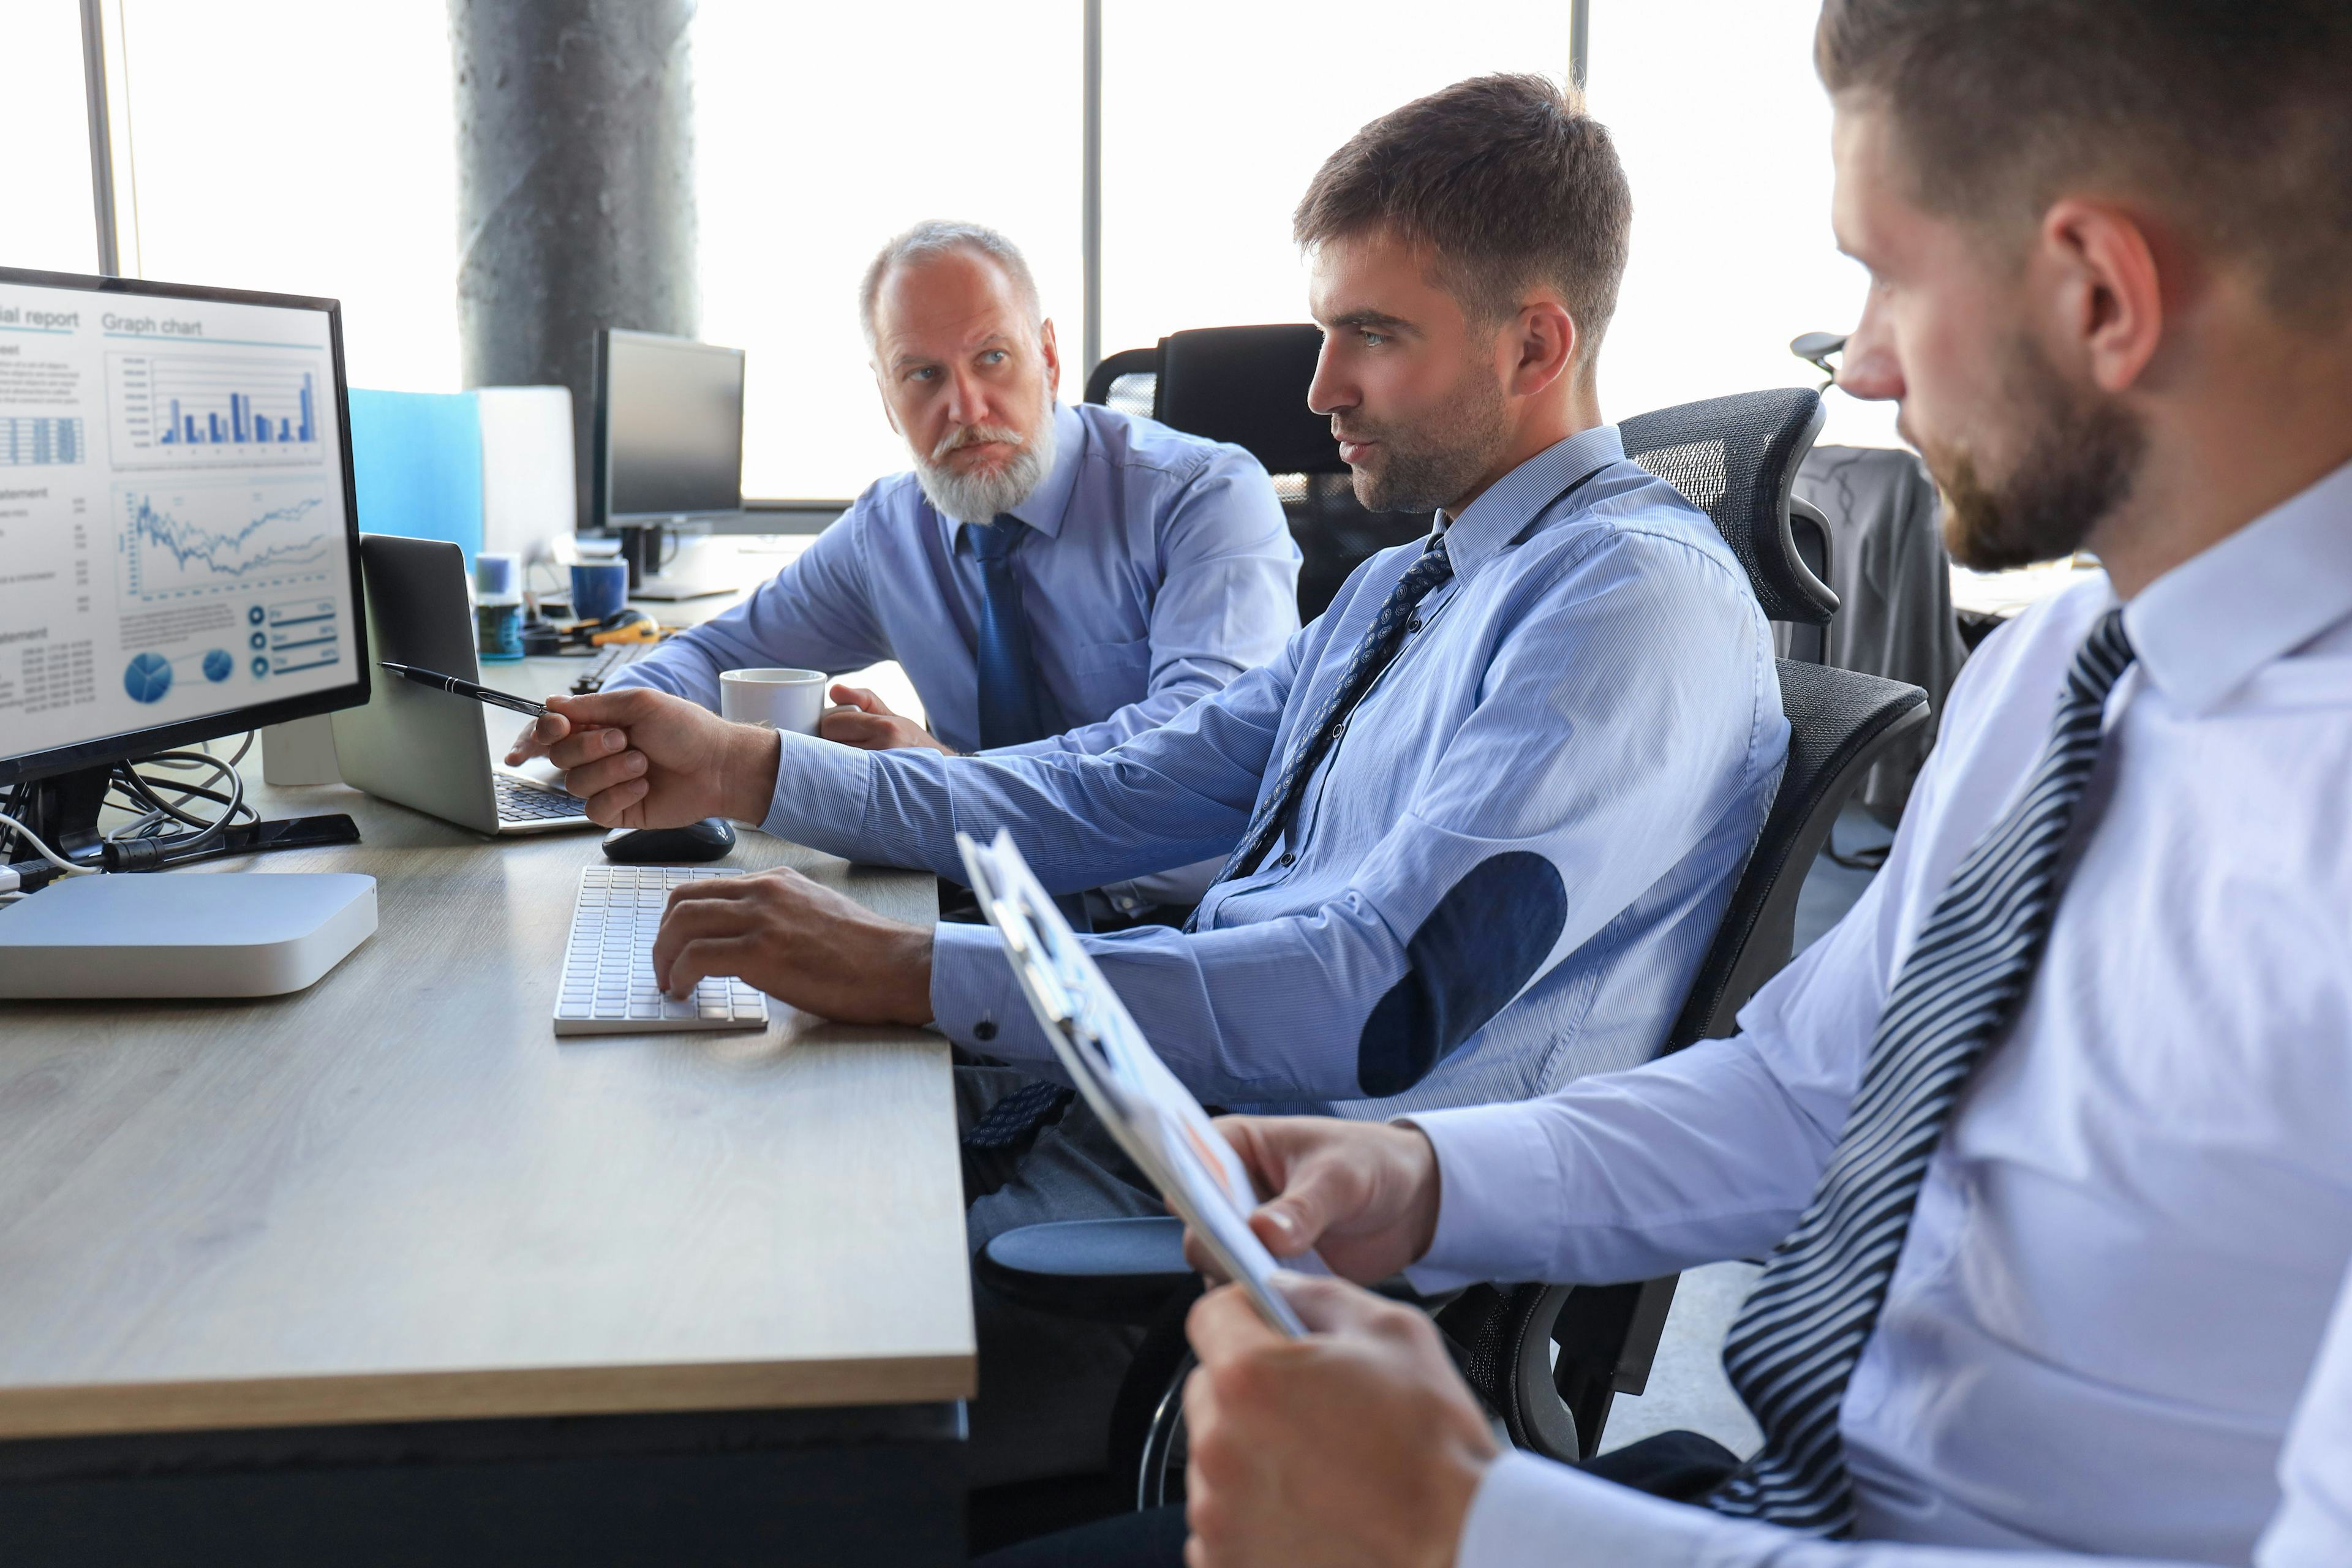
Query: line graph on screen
189, 538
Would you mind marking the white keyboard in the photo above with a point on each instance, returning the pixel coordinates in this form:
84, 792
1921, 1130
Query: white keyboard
608, 967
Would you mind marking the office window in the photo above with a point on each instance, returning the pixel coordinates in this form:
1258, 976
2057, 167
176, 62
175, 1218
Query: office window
309, 149
1217, 112
1725, 133
44, 120
821, 131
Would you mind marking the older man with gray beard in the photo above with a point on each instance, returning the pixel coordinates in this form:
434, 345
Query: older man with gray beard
1052, 579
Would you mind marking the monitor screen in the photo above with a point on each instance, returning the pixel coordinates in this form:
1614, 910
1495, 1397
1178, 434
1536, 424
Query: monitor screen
669, 426
177, 540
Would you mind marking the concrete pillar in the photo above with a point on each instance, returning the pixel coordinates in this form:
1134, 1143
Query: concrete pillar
575, 187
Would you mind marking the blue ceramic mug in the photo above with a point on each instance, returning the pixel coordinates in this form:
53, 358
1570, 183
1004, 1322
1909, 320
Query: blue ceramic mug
599, 588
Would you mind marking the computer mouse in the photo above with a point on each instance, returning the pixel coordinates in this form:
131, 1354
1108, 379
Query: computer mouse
705, 840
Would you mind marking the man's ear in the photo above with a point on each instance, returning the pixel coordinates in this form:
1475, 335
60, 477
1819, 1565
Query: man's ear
2109, 304
1052, 353
1541, 347
881, 392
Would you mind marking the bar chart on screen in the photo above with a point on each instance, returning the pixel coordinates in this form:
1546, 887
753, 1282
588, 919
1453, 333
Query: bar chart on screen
194, 408
187, 539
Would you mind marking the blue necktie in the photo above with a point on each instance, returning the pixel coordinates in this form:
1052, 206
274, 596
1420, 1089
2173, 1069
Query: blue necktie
1010, 710
1794, 1346
1374, 654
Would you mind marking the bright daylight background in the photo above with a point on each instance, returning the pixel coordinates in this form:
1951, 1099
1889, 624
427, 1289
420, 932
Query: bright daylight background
821, 130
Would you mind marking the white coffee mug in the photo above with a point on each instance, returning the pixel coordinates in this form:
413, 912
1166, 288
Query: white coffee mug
772, 699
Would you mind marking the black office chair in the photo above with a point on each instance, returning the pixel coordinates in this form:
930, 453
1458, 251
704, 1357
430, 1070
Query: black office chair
1248, 386
1734, 458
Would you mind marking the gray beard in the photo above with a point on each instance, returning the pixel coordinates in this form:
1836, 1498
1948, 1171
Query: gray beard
983, 497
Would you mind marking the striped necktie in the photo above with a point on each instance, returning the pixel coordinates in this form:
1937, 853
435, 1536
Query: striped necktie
1374, 654
1011, 712
1794, 1346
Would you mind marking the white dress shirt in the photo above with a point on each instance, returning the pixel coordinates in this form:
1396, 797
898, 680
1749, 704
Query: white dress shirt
2121, 1324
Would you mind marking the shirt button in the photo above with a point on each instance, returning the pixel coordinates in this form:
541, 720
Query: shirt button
1289, 857
984, 1030
1413, 622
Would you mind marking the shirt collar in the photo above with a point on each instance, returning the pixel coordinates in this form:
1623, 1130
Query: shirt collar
1044, 509
2205, 627
1504, 510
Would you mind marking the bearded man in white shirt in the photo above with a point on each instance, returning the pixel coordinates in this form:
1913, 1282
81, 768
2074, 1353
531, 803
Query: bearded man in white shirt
2050, 1142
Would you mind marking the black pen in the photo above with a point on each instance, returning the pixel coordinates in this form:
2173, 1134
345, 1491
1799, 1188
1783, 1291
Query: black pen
464, 688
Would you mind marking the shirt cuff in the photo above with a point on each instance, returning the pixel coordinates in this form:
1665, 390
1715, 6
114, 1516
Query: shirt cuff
1494, 1166
822, 791
978, 1003
1532, 1514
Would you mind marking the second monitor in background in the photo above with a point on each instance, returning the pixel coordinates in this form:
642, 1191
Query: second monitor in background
670, 447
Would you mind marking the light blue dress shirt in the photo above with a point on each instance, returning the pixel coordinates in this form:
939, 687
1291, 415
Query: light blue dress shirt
1503, 875
2121, 1323
1159, 568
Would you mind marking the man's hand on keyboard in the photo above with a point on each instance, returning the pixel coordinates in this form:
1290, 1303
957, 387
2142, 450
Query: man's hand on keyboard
865, 721
641, 758
821, 951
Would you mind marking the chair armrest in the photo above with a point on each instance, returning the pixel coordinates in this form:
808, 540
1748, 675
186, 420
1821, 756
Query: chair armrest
1111, 1270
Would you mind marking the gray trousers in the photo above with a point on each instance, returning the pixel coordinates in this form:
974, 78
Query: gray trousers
1047, 1381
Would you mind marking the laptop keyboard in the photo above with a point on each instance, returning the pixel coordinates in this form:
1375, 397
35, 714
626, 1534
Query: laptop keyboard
523, 801
608, 967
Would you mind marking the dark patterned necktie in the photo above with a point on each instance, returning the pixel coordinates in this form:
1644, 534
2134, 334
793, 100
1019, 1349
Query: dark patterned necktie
1374, 654
1794, 1346
1011, 712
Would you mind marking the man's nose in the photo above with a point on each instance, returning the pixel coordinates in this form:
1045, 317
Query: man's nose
1329, 392
1868, 369
967, 397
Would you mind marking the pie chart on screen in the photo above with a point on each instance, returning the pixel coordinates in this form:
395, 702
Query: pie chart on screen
149, 677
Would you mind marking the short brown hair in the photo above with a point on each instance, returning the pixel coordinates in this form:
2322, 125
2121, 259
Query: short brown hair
1508, 183
2235, 117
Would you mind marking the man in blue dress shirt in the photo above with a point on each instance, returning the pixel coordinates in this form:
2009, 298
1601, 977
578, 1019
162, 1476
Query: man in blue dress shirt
2047, 1141
1136, 568
1481, 817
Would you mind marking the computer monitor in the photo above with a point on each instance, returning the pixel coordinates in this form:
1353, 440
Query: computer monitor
178, 543
669, 431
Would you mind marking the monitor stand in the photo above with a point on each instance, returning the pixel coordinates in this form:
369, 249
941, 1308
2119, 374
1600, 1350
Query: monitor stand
169, 934
62, 811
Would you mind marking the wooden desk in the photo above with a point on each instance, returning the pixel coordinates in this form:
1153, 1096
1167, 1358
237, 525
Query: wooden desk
397, 1200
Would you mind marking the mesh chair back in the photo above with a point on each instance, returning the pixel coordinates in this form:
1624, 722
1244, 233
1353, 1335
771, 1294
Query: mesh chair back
1734, 458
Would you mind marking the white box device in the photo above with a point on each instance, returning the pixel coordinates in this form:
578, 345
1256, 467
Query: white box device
165, 933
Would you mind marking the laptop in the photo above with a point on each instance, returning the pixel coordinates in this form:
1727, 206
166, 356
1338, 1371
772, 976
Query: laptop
425, 749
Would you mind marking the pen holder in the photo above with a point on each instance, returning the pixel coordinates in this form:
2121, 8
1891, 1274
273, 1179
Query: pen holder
498, 629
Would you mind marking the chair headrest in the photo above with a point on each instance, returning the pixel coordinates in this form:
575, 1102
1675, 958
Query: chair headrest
1734, 458
1248, 386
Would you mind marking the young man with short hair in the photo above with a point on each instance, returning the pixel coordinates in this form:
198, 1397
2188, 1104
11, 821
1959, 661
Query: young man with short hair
1482, 818
2052, 1130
